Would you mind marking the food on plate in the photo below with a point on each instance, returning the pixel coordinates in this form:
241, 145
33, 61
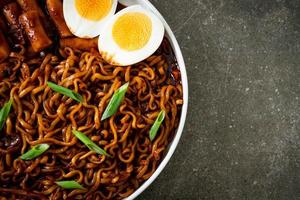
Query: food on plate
12, 12
4, 2
130, 36
35, 31
4, 49
31, 5
79, 43
3, 26
86, 19
55, 10
74, 125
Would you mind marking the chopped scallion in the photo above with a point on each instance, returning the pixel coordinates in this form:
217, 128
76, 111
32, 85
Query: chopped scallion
65, 91
160, 118
115, 102
35, 151
4, 112
69, 185
89, 143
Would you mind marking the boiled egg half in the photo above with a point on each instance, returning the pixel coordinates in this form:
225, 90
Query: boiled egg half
130, 36
86, 18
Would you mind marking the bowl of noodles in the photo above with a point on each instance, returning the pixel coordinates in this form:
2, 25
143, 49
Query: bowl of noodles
61, 134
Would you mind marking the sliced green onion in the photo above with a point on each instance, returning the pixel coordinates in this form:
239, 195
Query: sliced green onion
69, 185
115, 102
160, 118
65, 91
35, 151
4, 112
89, 143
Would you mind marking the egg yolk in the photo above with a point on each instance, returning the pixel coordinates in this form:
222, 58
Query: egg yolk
93, 10
132, 31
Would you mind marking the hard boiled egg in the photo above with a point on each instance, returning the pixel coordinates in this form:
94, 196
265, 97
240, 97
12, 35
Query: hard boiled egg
85, 18
130, 36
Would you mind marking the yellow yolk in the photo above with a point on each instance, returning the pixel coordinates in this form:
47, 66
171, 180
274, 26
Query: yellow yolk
93, 9
132, 31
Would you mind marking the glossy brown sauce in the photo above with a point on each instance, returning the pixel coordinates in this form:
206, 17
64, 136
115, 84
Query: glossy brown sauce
39, 115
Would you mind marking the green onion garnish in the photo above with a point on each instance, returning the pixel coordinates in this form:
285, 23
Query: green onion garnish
65, 91
89, 143
35, 151
160, 118
115, 102
4, 112
69, 185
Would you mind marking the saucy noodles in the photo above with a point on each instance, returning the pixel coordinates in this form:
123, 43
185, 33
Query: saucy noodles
39, 115
34, 52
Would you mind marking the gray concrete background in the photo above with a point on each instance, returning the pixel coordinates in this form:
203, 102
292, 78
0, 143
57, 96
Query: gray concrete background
241, 139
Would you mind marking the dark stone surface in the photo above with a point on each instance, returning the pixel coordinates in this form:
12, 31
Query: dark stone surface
242, 135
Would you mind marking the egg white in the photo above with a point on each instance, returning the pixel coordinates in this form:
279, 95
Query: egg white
82, 27
113, 54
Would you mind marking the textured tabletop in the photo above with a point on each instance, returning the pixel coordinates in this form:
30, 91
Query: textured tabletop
242, 134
